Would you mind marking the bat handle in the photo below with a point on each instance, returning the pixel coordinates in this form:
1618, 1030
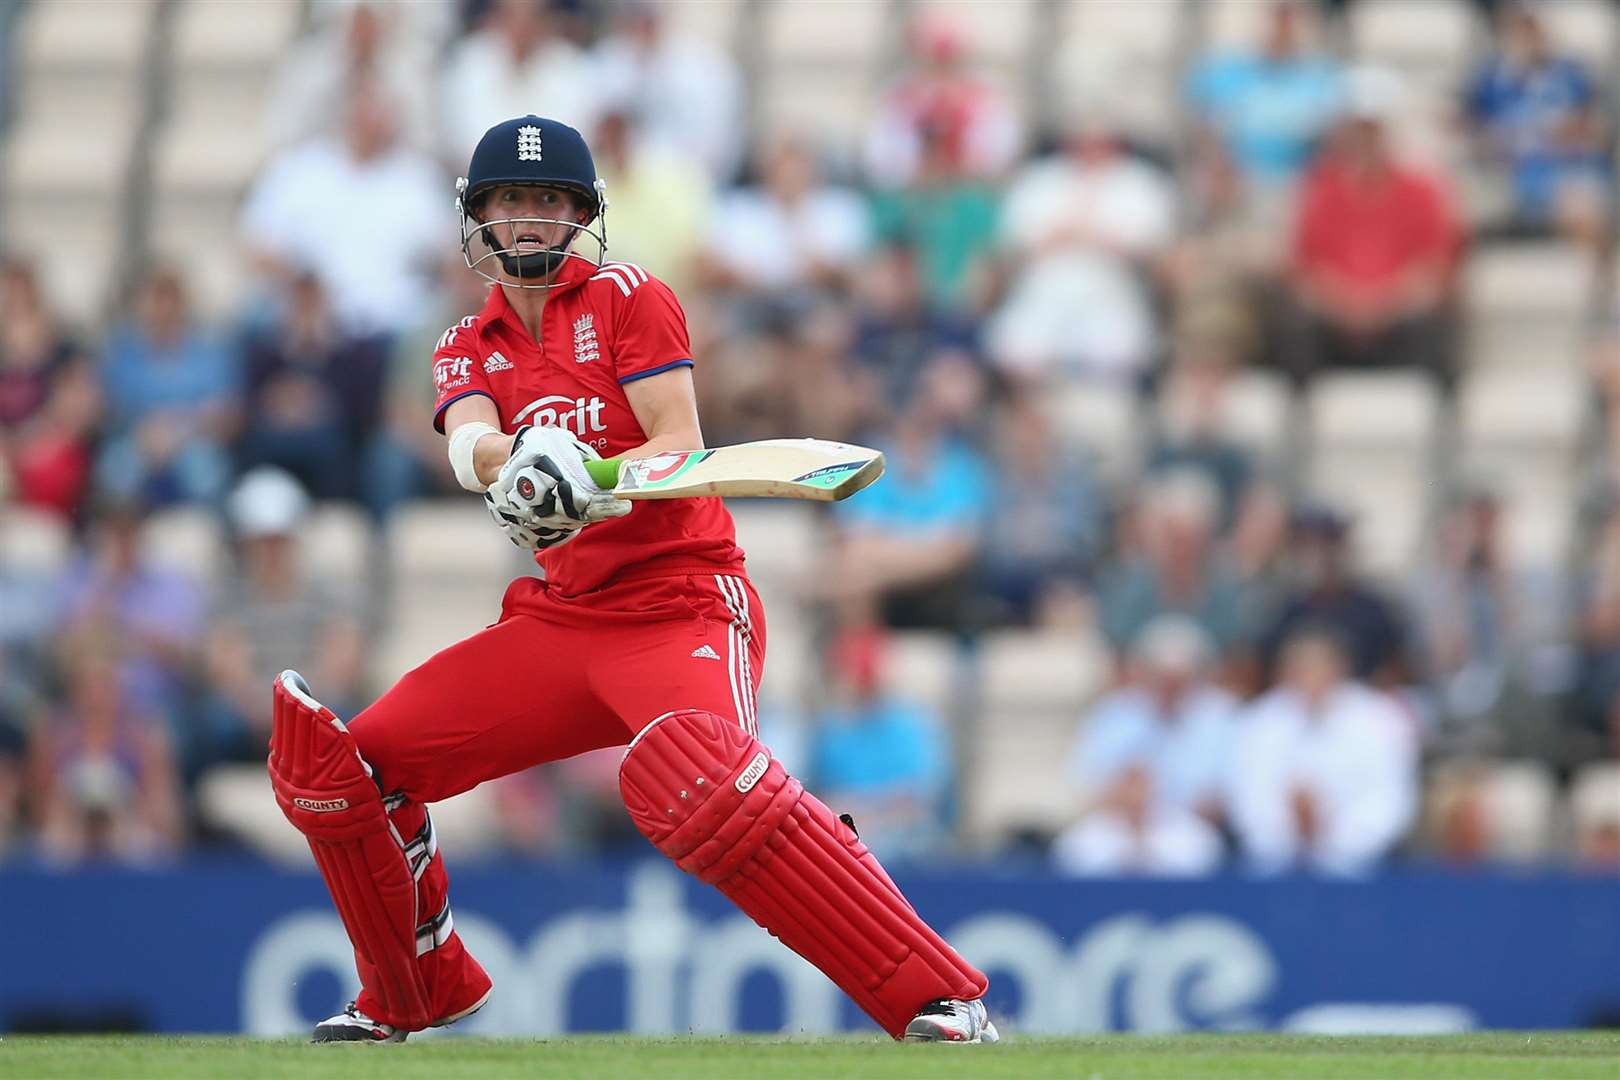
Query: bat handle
604, 473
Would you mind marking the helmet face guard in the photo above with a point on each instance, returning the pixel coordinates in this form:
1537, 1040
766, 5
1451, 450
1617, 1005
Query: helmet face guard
488, 257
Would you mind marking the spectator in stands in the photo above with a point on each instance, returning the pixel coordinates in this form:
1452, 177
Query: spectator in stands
820, 385
1266, 110
1085, 231
1037, 571
1209, 349
102, 773
1327, 591
878, 756
1487, 629
907, 545
661, 200
685, 92
1151, 762
938, 116
406, 457
1594, 720
1536, 117
1171, 563
1324, 772
389, 42
24, 620
171, 391
13, 744
313, 394
49, 403
790, 233
361, 211
1374, 250
273, 615
516, 62
899, 323
118, 602
948, 219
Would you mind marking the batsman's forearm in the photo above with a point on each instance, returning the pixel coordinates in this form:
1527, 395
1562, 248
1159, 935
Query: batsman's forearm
606, 472
489, 455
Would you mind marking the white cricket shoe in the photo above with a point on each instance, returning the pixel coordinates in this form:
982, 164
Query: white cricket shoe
952, 1020
352, 1025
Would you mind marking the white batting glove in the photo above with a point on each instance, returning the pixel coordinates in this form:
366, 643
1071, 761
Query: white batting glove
544, 481
524, 531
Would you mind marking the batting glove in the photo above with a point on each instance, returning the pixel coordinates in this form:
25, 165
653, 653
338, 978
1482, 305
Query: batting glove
544, 481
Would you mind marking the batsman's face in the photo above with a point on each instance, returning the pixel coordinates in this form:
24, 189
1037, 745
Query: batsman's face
508, 205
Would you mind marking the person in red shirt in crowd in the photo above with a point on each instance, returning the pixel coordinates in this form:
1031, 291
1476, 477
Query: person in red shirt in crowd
1374, 250
939, 109
644, 631
49, 401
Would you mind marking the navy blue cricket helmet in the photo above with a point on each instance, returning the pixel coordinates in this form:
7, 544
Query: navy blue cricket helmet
530, 150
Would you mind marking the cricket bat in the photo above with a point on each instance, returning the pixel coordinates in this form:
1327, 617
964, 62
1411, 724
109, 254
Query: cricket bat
771, 468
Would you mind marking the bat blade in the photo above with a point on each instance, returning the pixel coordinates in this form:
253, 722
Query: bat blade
772, 468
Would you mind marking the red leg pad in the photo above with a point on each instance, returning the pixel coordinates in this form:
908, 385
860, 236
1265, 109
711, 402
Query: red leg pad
326, 790
711, 797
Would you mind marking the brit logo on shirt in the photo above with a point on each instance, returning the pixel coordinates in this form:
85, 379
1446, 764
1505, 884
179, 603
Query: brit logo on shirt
528, 143
584, 339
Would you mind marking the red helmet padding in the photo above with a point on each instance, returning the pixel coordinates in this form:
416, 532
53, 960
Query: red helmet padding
789, 863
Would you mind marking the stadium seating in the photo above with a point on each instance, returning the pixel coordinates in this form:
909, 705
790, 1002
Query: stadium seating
187, 541
214, 140
1373, 444
1594, 801
67, 163
33, 544
1101, 418
1033, 688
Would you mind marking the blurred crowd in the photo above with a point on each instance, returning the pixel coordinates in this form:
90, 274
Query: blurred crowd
934, 290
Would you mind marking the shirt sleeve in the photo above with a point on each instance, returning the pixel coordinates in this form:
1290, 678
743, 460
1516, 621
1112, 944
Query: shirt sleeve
652, 334
458, 371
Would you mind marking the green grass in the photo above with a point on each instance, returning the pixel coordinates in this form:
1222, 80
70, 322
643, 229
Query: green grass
1526, 1055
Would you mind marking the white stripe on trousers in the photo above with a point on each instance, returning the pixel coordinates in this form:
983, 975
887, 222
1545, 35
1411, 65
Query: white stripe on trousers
739, 638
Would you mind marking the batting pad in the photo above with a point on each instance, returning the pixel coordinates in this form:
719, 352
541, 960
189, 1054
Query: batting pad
326, 791
711, 797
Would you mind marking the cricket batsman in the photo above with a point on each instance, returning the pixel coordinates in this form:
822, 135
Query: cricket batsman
645, 632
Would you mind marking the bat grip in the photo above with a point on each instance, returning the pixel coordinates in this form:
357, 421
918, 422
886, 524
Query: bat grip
604, 473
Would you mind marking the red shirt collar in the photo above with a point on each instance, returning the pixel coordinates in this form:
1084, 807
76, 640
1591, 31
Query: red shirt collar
497, 308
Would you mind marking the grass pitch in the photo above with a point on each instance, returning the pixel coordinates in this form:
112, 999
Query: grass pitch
1519, 1056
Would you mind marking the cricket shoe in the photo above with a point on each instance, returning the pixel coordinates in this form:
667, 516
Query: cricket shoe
952, 1020
352, 1025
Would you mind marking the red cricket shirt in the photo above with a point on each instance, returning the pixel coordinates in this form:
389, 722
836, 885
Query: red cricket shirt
600, 329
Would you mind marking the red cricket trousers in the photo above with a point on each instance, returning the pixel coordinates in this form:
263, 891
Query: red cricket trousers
555, 677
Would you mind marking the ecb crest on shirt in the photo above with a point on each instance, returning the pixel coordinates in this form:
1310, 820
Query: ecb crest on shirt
585, 349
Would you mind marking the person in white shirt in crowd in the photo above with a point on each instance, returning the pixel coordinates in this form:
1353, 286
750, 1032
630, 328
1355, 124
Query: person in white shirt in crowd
789, 232
1324, 774
514, 64
1085, 230
1151, 760
685, 93
390, 42
360, 210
